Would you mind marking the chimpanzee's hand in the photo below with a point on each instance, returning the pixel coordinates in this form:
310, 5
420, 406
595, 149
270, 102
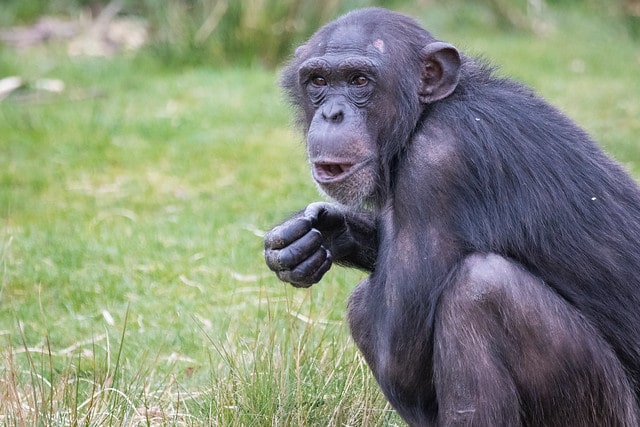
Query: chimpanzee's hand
299, 250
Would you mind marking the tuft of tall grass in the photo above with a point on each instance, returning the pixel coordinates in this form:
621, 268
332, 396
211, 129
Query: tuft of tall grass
295, 370
252, 32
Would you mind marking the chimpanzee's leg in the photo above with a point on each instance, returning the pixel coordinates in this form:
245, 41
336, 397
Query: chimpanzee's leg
509, 351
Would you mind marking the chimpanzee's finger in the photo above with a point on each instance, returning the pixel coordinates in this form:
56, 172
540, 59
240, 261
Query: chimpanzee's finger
289, 257
284, 234
314, 210
324, 215
310, 271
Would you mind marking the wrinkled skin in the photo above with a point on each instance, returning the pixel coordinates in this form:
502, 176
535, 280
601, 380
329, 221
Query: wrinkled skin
503, 246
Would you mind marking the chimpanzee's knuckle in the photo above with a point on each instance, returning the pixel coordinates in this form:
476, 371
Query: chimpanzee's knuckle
300, 278
273, 239
313, 268
284, 234
326, 265
302, 284
314, 209
271, 257
296, 278
284, 275
315, 237
295, 229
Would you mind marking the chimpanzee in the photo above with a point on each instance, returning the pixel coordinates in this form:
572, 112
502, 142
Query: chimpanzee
503, 245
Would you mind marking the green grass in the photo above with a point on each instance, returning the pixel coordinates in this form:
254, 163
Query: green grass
137, 213
132, 205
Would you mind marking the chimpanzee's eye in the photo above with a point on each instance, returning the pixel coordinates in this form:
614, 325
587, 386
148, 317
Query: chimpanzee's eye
318, 81
359, 80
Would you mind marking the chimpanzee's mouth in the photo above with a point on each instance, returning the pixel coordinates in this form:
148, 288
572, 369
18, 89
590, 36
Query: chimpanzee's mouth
325, 172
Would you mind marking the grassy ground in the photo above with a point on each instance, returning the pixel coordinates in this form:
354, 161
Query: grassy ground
132, 208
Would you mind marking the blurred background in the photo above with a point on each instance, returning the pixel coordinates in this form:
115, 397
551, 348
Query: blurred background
145, 148
250, 32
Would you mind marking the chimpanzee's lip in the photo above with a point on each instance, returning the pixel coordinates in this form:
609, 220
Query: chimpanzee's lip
325, 172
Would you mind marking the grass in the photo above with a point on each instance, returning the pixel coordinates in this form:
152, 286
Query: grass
132, 208
132, 272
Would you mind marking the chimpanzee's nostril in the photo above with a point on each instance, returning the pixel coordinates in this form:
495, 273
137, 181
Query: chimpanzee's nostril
333, 114
337, 117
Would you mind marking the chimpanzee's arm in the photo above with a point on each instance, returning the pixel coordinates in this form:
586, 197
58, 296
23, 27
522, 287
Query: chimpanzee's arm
303, 248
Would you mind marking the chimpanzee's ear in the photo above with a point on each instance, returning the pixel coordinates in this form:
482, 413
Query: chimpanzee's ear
440, 71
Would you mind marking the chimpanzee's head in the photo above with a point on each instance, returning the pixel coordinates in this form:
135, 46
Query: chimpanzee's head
360, 85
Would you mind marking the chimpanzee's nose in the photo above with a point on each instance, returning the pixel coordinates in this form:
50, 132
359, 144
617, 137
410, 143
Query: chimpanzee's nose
333, 112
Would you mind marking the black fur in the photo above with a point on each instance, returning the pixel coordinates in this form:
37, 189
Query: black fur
506, 282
